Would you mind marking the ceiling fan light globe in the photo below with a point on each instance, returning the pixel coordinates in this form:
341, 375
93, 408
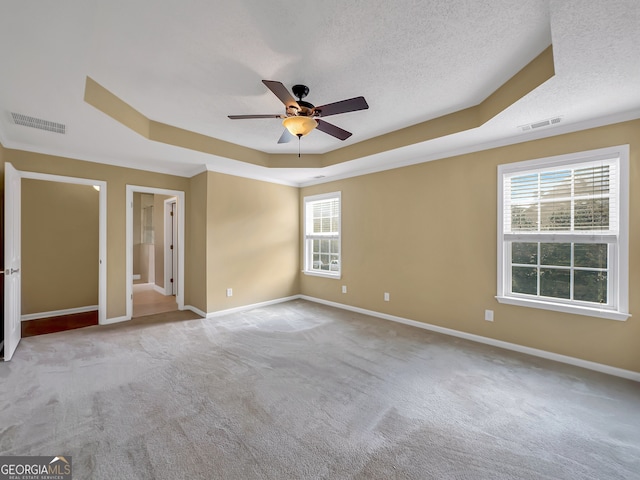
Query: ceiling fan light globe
299, 126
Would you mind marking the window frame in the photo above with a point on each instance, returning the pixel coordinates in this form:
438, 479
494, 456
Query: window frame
618, 243
308, 238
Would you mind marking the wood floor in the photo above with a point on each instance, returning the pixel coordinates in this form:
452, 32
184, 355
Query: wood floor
59, 323
146, 301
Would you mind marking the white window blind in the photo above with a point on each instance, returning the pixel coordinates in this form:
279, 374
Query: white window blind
563, 233
322, 234
575, 200
324, 219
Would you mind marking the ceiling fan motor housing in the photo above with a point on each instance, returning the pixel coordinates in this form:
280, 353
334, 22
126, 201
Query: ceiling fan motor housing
306, 108
300, 91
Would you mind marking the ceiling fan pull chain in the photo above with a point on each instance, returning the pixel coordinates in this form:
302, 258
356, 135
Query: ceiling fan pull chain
299, 137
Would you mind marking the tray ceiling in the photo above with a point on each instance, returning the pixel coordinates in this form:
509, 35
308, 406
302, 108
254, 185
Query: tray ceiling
188, 64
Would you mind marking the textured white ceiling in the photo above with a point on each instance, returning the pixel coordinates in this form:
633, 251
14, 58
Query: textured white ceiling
190, 63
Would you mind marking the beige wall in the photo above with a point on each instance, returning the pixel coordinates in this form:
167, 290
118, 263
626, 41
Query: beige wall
59, 246
143, 251
196, 260
427, 235
159, 226
137, 234
241, 234
252, 241
117, 178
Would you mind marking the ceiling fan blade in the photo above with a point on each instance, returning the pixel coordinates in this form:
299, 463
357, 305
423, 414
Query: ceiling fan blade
286, 137
343, 106
243, 117
280, 91
332, 130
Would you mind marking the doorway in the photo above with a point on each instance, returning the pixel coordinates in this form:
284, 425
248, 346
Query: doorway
155, 256
73, 189
13, 209
59, 237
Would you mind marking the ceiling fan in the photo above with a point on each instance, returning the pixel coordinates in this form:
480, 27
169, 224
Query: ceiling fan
301, 117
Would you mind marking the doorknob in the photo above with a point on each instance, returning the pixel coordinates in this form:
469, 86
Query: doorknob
14, 270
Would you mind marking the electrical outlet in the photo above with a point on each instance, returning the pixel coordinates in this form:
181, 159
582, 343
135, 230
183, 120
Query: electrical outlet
229, 292
386, 296
488, 315
344, 289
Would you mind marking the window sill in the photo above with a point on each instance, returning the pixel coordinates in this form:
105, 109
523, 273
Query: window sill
335, 275
559, 307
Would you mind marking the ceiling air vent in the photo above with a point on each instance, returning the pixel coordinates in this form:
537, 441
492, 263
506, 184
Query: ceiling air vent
543, 123
38, 123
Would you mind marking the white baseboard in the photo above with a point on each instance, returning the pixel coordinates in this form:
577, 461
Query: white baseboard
195, 310
598, 367
160, 290
251, 307
58, 313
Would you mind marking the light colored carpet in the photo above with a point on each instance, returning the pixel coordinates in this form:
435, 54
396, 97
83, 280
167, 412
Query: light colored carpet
304, 391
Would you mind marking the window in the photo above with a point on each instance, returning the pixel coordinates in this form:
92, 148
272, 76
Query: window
562, 233
322, 235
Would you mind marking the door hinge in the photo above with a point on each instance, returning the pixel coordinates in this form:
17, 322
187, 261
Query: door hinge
171, 247
171, 213
171, 280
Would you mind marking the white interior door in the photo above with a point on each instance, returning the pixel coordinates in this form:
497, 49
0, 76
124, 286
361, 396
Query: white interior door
170, 247
12, 285
174, 248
